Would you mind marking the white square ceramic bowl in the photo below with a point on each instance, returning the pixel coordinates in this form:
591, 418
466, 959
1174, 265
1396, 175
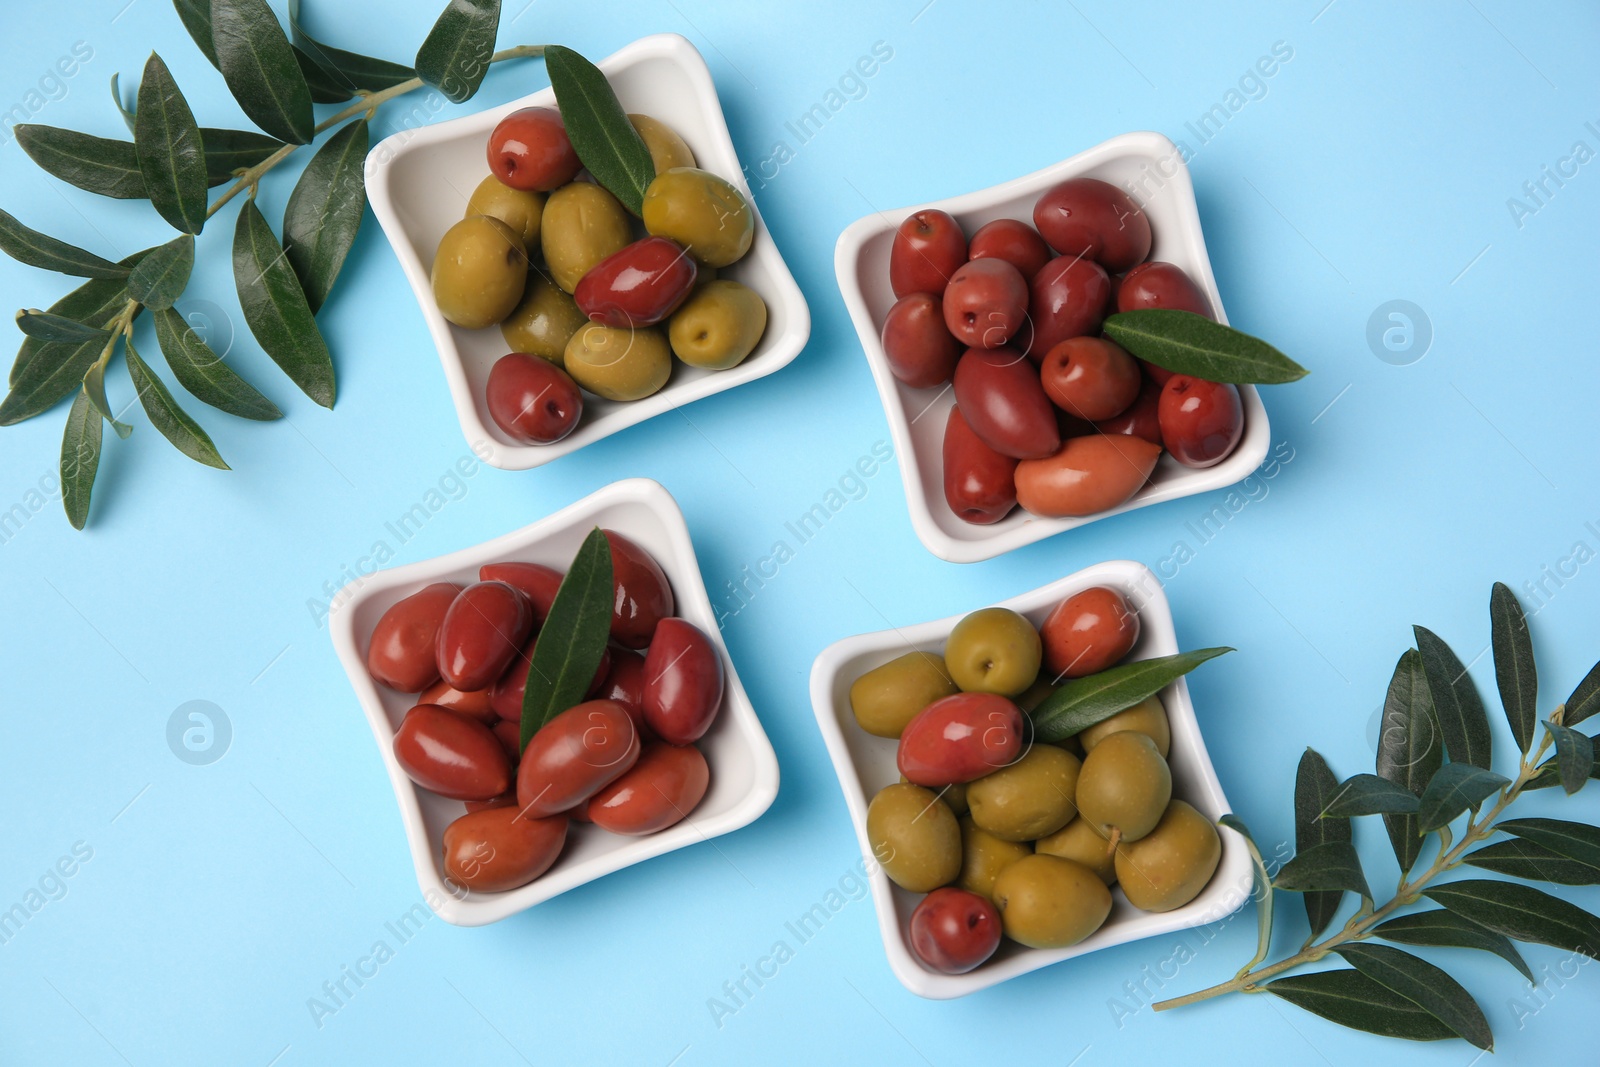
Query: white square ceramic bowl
419, 181
917, 416
865, 764
744, 770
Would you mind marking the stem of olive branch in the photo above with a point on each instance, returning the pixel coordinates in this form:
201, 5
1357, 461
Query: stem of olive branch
1362, 923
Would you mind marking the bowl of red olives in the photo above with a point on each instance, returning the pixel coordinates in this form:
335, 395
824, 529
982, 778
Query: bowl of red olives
1013, 416
660, 749
560, 316
995, 844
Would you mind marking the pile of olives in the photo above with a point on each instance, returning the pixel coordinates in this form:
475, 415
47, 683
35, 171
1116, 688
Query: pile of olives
624, 759
1049, 414
1013, 836
583, 302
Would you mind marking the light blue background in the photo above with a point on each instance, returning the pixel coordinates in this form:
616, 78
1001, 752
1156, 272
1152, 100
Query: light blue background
219, 898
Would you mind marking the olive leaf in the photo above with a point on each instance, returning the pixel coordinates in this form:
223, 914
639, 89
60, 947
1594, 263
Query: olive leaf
1314, 787
325, 210
230, 151
599, 129
94, 386
48, 327
324, 86
1445, 929
1261, 889
162, 276
46, 371
1424, 985
455, 56
350, 69
1367, 794
1514, 669
196, 18
1186, 343
1350, 998
275, 307
1585, 700
165, 414
1574, 756
1521, 913
122, 107
93, 164
1082, 702
172, 157
1333, 866
29, 246
1522, 858
1410, 749
203, 373
1456, 702
1453, 789
258, 64
572, 639
80, 459
1575, 840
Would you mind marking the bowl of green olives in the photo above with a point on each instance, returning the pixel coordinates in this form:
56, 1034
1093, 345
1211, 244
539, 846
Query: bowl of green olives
992, 853
528, 274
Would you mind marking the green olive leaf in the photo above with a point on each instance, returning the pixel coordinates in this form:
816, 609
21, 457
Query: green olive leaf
573, 637
455, 56
172, 158
1410, 749
165, 414
1350, 998
48, 327
1445, 929
1526, 859
1367, 794
1082, 702
349, 69
196, 18
1574, 756
1456, 702
163, 275
203, 373
1521, 913
123, 109
601, 134
275, 307
1585, 700
1261, 889
1186, 343
1453, 789
1424, 985
1575, 840
325, 210
1314, 787
1514, 669
80, 459
94, 164
324, 86
26, 245
259, 66
230, 151
94, 386
1333, 866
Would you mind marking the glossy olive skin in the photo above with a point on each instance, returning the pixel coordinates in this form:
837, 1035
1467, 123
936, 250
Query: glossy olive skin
682, 682
1088, 475
1170, 865
619, 364
980, 484
1048, 902
993, 650
984, 856
509, 734
506, 696
1067, 298
624, 683
1161, 285
1201, 421
914, 836
403, 653
718, 326
481, 633
583, 224
661, 789
479, 272
954, 931
701, 211
451, 754
985, 303
1013, 241
504, 800
500, 848
641, 594
530, 149
1142, 418
474, 705
532, 400
520, 209
667, 149
1030, 799
1080, 842
1124, 786
574, 755
533, 580
920, 350
889, 696
1090, 377
544, 322
1088, 632
638, 285
999, 394
928, 247
1148, 717
1091, 218
960, 739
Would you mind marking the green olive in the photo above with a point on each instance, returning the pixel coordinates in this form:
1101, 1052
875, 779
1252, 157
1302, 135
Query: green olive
544, 322
478, 272
915, 837
1049, 902
1167, 868
984, 856
954, 795
887, 697
718, 325
667, 149
1148, 717
993, 650
583, 224
521, 209
1028, 799
1080, 842
618, 364
702, 212
1124, 786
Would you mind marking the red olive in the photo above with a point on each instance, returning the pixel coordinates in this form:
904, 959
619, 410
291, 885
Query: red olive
529, 149
625, 682
927, 249
954, 930
1067, 299
474, 704
919, 349
682, 682
509, 734
985, 303
533, 580
999, 394
497, 849
638, 285
1090, 377
1141, 419
1088, 632
1201, 421
534, 401
1161, 285
485, 626
573, 755
504, 800
960, 738
979, 483
661, 789
1015, 242
1089, 475
450, 754
403, 654
506, 696
1092, 218
642, 596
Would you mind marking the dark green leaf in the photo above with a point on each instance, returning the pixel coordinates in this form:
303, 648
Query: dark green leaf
1424, 985
605, 140
325, 210
94, 385
95, 302
573, 637
1330, 867
96, 164
351, 69
1314, 787
161, 277
1575, 840
48, 327
122, 108
196, 16
46, 371
27, 245
202, 372
80, 459
1082, 702
1452, 790
1186, 343
1549, 774
1514, 670
259, 66
1522, 913
1574, 756
275, 307
1456, 702
1445, 929
1351, 999
325, 87
1262, 888
455, 56
1367, 794
1524, 859
165, 415
172, 157
1410, 749
228, 151
1584, 701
